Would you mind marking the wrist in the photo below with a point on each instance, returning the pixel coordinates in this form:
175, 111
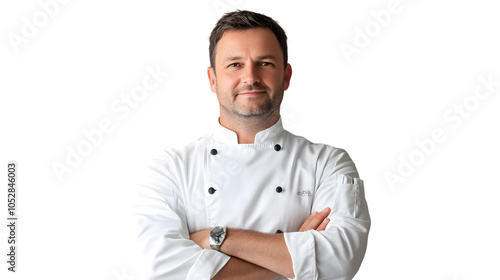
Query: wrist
235, 240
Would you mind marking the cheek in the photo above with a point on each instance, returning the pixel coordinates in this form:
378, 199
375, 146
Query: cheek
274, 80
228, 82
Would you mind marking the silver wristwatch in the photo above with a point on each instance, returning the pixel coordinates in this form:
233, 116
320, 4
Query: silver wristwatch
217, 235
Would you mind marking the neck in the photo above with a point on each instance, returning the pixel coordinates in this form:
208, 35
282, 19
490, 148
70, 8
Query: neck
247, 127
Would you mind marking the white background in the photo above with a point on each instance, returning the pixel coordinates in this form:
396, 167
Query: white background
440, 222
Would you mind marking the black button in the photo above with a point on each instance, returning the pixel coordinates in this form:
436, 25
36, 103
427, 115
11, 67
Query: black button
279, 189
211, 190
213, 152
279, 231
277, 147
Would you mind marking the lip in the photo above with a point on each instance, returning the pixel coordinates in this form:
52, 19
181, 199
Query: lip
251, 92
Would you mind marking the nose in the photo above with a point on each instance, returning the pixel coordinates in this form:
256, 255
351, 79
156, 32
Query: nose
251, 74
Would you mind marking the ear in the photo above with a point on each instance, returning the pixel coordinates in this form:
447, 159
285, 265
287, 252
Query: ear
288, 76
212, 78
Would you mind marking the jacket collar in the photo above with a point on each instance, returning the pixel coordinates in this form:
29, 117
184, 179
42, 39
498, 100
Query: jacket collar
270, 134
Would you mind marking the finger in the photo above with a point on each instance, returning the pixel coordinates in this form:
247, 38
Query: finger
323, 225
318, 219
315, 220
321, 216
325, 212
305, 225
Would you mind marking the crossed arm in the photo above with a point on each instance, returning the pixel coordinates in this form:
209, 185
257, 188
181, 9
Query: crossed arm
258, 255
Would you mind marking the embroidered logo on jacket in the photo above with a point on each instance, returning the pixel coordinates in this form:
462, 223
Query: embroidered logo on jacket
304, 193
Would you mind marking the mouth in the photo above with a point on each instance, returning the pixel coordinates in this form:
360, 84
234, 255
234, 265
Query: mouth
252, 92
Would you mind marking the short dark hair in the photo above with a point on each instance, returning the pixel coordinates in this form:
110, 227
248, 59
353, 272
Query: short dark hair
243, 20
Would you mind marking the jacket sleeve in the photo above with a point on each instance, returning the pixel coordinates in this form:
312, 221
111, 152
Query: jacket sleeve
337, 252
159, 229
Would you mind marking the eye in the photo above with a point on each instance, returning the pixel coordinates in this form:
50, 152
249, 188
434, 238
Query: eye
265, 63
236, 64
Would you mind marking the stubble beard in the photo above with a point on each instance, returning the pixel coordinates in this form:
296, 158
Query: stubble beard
265, 109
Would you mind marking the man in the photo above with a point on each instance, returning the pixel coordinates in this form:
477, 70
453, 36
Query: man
251, 200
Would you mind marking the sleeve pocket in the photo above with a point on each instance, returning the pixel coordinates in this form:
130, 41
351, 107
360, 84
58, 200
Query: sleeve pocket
350, 197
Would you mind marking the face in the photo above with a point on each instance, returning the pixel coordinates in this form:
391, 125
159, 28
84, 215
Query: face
249, 76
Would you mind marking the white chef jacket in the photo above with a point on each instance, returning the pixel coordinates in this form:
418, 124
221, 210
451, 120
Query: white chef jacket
270, 186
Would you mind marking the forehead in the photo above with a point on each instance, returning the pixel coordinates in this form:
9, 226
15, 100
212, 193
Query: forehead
249, 42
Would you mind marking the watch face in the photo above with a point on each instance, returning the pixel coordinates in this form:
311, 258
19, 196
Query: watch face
217, 234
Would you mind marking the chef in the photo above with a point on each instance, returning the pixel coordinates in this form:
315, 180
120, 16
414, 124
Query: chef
251, 200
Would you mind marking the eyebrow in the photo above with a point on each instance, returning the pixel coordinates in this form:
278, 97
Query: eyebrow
267, 56
262, 57
232, 58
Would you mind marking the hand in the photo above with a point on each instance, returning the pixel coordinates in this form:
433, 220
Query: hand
201, 238
317, 221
